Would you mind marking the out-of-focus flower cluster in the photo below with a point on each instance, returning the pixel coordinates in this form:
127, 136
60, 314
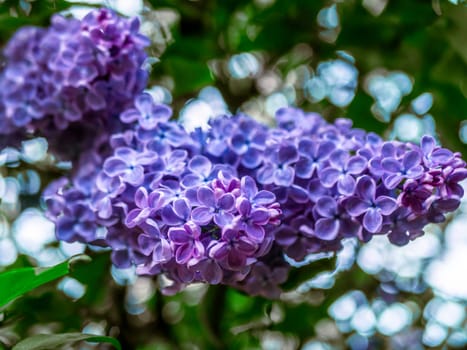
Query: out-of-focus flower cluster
205, 206
75, 75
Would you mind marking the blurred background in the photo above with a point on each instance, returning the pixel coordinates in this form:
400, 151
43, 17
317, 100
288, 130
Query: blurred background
395, 67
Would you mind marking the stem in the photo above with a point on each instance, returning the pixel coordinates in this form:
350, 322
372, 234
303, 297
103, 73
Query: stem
211, 312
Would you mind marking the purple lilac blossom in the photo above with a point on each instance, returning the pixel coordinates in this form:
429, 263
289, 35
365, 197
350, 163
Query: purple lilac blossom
226, 205
70, 81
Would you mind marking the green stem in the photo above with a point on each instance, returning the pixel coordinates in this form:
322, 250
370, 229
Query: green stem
210, 313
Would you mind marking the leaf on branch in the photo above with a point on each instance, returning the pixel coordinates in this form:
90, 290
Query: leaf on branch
17, 282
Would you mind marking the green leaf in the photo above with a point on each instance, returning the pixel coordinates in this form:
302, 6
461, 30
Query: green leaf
52, 341
15, 283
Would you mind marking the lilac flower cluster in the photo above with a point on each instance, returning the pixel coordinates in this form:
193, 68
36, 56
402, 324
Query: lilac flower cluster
334, 181
75, 75
166, 207
206, 206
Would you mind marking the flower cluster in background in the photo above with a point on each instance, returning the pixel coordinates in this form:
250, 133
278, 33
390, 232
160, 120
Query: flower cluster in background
75, 75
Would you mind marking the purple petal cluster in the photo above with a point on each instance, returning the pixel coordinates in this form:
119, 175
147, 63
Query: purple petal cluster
334, 181
71, 81
228, 204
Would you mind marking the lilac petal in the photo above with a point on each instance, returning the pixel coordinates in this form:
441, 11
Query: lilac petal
307, 147
349, 228
95, 101
411, 159
346, 184
121, 258
427, 144
356, 165
366, 188
182, 208
398, 238
392, 181
179, 236
129, 116
134, 177
338, 159
200, 165
372, 221
125, 153
326, 206
329, 176
114, 166
327, 229
243, 206
286, 236
202, 215
148, 122
226, 202
448, 204
136, 216
391, 165
316, 190
144, 102
211, 271
458, 175
21, 118
190, 180
255, 233
287, 154
304, 168
284, 176
441, 156
219, 251
229, 233
297, 250
177, 156
206, 197
260, 216
387, 205
151, 228
325, 148
416, 172
169, 217
183, 253
162, 252
298, 194
238, 143
248, 187
161, 112
265, 174
355, 206
235, 261
147, 158
198, 249
223, 219
252, 158
65, 230
156, 200
264, 198
141, 197
104, 208
388, 150
246, 246
146, 244
185, 275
